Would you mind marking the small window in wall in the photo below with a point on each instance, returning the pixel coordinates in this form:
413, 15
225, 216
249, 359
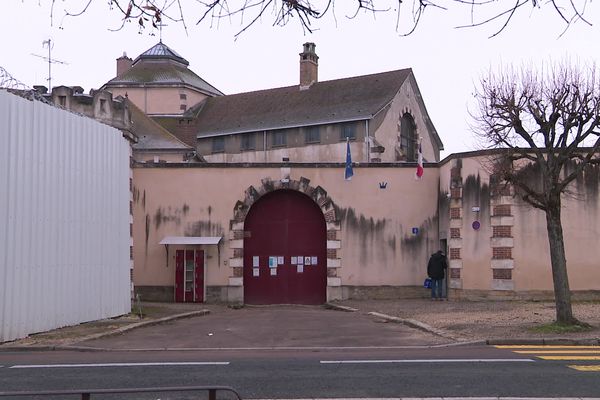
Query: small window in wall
248, 141
408, 137
312, 134
278, 139
183, 107
218, 144
182, 96
348, 131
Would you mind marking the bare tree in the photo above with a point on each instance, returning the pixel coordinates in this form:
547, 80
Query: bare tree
151, 13
547, 125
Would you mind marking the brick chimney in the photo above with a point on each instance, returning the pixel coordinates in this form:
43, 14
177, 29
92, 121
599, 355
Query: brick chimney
309, 66
123, 64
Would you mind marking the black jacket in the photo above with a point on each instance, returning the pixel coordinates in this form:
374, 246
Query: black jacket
436, 265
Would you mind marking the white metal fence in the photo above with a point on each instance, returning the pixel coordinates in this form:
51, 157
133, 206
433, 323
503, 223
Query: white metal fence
64, 218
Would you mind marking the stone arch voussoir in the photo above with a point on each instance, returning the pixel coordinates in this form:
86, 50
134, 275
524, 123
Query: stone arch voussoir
252, 194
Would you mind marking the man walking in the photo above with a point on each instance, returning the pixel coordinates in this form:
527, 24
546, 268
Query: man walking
435, 270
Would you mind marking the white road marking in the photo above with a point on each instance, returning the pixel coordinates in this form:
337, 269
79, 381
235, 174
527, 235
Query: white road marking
146, 364
472, 360
452, 398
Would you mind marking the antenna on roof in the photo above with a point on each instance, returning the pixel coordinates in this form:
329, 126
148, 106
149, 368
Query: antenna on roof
160, 26
50, 61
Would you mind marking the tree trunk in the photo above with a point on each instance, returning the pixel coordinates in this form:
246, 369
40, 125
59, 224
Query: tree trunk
562, 293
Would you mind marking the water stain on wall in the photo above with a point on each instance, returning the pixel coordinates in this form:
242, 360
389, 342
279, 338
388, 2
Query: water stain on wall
163, 216
204, 228
587, 183
476, 194
413, 245
147, 230
372, 234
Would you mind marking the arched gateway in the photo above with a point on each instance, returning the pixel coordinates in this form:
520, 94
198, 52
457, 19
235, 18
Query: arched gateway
285, 250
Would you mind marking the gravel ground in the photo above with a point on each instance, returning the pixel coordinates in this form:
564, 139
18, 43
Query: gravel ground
482, 320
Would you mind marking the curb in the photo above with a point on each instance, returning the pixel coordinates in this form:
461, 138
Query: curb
118, 331
414, 324
336, 307
543, 342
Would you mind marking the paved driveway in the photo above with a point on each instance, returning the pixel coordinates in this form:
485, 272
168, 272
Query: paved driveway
272, 326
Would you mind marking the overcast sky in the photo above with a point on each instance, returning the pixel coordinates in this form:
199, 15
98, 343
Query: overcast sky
447, 62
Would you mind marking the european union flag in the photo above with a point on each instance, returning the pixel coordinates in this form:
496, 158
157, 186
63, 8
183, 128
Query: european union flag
348, 172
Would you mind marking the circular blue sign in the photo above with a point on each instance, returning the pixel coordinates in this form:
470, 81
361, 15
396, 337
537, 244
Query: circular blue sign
476, 225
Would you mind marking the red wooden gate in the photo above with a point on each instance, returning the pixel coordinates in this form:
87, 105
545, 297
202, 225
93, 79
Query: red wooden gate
189, 276
285, 250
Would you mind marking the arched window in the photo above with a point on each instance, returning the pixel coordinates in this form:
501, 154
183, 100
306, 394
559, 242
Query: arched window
408, 137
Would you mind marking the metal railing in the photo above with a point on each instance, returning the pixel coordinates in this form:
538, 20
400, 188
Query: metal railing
86, 394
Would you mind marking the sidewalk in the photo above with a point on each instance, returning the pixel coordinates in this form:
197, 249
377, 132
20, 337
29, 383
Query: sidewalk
457, 322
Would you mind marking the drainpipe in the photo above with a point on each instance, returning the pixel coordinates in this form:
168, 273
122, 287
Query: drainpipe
145, 99
265, 144
368, 141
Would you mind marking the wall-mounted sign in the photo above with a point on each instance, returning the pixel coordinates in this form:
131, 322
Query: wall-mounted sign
415, 231
475, 209
255, 261
255, 272
476, 225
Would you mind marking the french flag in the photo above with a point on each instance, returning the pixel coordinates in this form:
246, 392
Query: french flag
420, 170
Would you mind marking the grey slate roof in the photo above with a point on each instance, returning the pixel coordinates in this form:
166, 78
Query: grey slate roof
159, 66
161, 51
151, 135
348, 99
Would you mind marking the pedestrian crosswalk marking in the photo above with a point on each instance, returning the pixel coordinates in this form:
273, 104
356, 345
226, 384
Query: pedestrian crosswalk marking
557, 351
577, 358
560, 353
585, 367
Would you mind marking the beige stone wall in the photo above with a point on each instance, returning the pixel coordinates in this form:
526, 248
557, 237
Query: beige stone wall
159, 100
388, 133
510, 252
370, 229
158, 157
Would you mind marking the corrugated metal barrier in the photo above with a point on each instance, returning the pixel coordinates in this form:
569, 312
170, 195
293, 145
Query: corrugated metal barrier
64, 218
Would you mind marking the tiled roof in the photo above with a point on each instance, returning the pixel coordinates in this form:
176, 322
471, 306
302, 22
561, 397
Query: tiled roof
152, 136
162, 74
338, 100
162, 66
